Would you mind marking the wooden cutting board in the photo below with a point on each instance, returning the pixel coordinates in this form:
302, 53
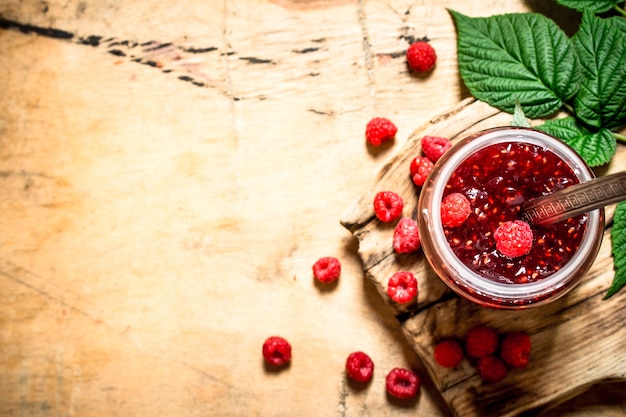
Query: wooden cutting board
577, 341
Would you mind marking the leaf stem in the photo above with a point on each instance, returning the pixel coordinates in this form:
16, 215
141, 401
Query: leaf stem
619, 137
620, 10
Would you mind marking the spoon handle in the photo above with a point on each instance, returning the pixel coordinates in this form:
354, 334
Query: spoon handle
576, 199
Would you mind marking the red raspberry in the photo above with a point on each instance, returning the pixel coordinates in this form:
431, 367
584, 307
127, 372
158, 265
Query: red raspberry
276, 351
434, 146
514, 238
421, 56
420, 168
388, 206
406, 237
515, 349
327, 269
379, 130
359, 367
481, 341
449, 353
402, 383
455, 208
402, 287
491, 369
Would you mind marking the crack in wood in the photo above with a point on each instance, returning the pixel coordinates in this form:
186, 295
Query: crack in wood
37, 30
343, 395
254, 60
367, 50
166, 56
306, 50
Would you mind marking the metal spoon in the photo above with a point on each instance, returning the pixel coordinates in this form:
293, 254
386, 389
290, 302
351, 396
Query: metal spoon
576, 199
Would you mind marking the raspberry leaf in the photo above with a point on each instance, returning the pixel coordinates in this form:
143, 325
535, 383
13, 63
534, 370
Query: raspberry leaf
521, 57
596, 6
618, 247
596, 148
601, 46
619, 23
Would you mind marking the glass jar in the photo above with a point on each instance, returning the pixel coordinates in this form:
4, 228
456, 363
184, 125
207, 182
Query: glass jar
472, 267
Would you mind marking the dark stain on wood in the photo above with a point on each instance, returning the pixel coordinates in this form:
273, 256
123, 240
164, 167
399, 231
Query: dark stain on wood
200, 50
305, 50
254, 60
124, 48
37, 30
92, 40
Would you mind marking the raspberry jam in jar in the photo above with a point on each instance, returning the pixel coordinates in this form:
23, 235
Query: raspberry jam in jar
497, 170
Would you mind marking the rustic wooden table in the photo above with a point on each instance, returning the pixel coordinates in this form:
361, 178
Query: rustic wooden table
169, 173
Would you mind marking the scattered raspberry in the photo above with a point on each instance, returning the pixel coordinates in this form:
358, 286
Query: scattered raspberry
515, 349
514, 238
359, 367
276, 351
421, 56
406, 237
402, 383
420, 168
455, 208
481, 341
491, 368
380, 130
449, 353
388, 206
434, 146
402, 287
327, 269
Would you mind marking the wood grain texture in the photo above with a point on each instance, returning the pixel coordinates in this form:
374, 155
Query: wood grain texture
577, 340
169, 171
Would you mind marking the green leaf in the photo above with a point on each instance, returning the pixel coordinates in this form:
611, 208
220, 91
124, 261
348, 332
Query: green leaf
618, 247
619, 22
596, 6
601, 46
596, 148
522, 57
519, 118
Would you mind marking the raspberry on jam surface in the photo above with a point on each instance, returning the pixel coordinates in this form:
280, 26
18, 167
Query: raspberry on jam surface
514, 239
455, 208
